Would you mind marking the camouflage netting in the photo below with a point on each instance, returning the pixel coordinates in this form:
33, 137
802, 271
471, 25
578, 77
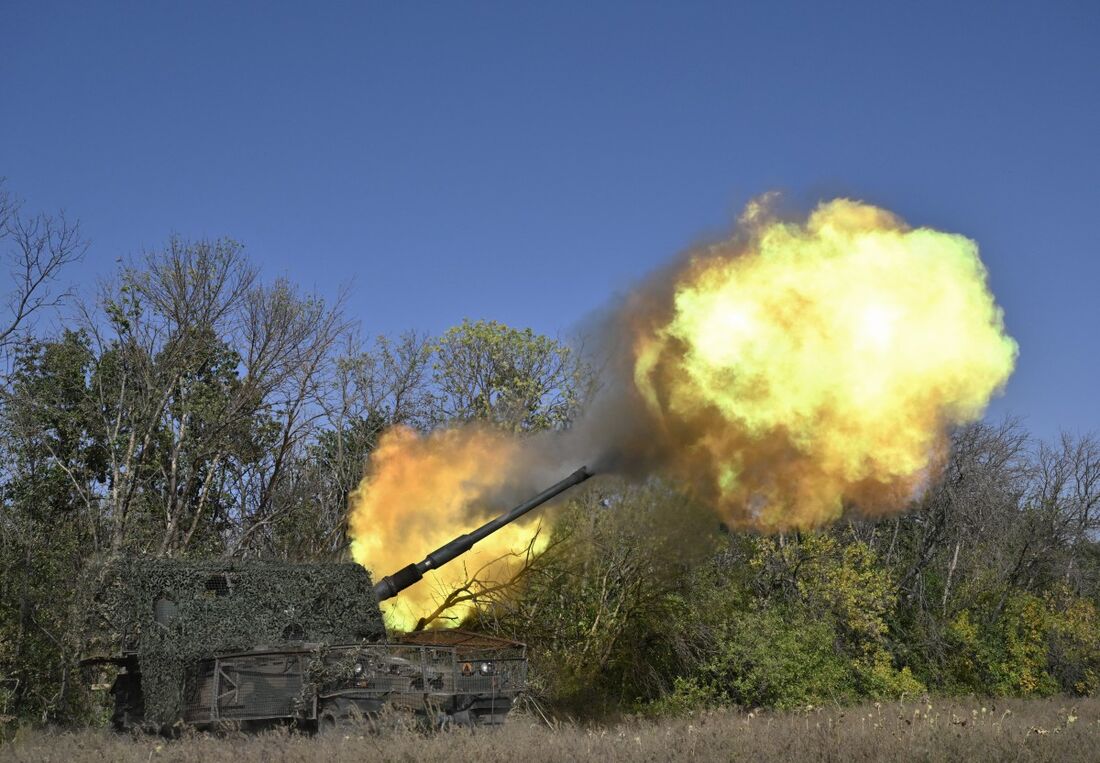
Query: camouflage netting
171, 613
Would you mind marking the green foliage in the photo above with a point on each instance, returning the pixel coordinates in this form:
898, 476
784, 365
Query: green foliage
514, 377
687, 696
1020, 644
780, 657
793, 622
44, 528
39, 679
1073, 642
596, 605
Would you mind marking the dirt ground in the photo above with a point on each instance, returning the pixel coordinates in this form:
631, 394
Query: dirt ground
1059, 729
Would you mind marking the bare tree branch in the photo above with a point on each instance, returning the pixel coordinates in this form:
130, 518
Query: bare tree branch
35, 248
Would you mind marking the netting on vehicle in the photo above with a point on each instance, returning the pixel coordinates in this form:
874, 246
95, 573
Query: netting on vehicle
172, 614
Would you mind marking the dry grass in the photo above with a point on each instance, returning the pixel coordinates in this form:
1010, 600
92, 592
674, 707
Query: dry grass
1040, 730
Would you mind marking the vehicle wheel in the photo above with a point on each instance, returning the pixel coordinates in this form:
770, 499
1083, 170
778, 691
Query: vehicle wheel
331, 722
327, 724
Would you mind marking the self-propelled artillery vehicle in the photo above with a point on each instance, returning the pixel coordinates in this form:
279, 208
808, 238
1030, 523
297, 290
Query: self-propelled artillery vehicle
250, 643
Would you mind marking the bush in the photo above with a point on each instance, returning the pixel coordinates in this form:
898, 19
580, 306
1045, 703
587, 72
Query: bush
782, 658
1073, 643
1027, 646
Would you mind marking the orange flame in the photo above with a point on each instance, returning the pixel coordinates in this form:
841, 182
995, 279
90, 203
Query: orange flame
421, 492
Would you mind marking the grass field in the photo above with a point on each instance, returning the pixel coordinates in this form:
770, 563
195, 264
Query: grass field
1059, 729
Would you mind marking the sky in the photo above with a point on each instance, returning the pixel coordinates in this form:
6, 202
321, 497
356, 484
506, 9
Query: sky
527, 161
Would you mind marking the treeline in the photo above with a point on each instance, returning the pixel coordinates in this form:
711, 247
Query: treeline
989, 585
191, 408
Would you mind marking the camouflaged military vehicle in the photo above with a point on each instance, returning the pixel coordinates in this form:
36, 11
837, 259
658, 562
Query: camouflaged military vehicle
251, 643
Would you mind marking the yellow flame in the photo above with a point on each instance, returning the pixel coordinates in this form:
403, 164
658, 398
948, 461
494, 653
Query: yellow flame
421, 492
809, 365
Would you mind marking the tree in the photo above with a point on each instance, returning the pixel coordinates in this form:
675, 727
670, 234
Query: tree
35, 248
364, 391
39, 530
515, 378
201, 390
169, 406
45, 530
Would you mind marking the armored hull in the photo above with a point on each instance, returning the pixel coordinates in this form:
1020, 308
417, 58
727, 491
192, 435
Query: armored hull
207, 643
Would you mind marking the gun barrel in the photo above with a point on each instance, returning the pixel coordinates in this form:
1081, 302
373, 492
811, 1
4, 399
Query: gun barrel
391, 585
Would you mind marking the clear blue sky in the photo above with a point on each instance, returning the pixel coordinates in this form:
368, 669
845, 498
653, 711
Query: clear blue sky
523, 160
